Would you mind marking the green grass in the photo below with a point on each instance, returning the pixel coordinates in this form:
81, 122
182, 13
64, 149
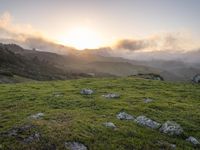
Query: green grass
75, 117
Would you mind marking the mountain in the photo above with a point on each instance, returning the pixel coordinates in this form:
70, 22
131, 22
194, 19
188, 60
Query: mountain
41, 65
33, 64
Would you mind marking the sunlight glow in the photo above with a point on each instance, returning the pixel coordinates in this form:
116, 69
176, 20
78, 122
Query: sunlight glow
81, 38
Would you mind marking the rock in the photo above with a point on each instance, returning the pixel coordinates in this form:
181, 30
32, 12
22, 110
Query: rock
171, 128
31, 138
196, 78
147, 100
37, 116
124, 116
150, 76
87, 91
57, 94
144, 121
193, 140
23, 134
165, 145
75, 146
109, 125
111, 95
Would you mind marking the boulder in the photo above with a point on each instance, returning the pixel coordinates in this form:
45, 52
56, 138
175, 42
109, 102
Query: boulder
109, 125
144, 121
75, 146
193, 140
87, 91
196, 78
111, 95
124, 116
171, 128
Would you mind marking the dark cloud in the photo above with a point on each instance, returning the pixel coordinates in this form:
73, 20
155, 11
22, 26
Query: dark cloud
132, 45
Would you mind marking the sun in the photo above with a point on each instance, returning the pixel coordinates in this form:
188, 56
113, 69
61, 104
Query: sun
81, 38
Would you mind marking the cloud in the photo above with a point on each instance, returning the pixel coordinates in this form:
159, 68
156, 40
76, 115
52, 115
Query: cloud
132, 45
176, 41
26, 36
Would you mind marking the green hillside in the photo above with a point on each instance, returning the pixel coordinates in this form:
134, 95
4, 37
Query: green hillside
70, 116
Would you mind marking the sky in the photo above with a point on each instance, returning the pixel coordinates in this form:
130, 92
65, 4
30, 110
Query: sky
92, 23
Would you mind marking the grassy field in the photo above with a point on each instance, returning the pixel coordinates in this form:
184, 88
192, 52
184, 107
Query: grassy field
70, 116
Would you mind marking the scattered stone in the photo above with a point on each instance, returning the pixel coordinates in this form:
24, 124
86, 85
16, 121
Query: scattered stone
150, 76
109, 125
22, 133
196, 78
31, 138
165, 145
57, 94
75, 146
147, 100
124, 116
37, 116
171, 128
87, 91
193, 140
144, 121
111, 95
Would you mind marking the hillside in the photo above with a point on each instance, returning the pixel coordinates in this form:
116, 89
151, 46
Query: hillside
50, 115
34, 64
40, 65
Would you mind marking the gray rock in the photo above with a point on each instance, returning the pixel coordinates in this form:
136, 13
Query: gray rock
87, 91
193, 140
196, 78
144, 121
124, 116
166, 145
75, 146
58, 94
171, 128
147, 100
37, 116
31, 138
109, 125
111, 95
23, 134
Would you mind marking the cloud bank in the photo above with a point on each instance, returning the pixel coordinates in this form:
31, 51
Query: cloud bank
158, 46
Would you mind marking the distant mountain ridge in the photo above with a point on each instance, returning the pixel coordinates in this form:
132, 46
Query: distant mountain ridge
40, 65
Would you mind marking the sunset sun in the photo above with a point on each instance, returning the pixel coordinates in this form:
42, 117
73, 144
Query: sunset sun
81, 38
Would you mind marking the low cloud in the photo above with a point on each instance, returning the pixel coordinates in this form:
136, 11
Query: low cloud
26, 36
132, 45
160, 42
